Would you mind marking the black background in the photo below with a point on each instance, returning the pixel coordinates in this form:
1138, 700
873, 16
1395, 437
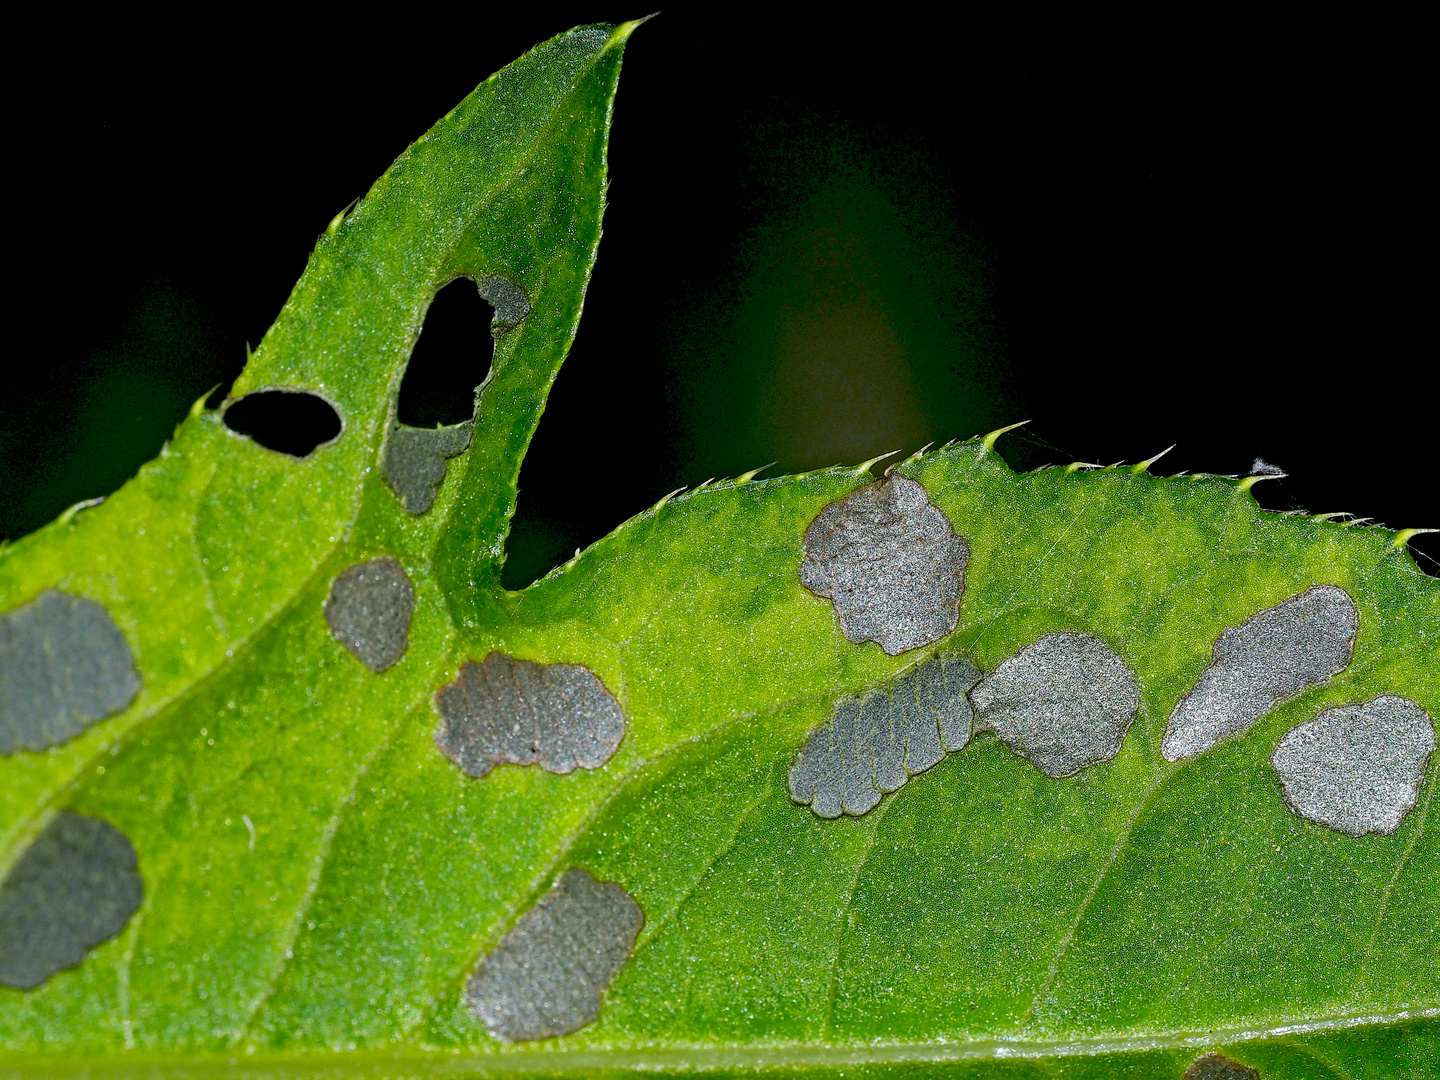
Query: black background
824, 241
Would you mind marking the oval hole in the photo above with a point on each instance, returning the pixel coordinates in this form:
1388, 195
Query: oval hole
450, 360
290, 422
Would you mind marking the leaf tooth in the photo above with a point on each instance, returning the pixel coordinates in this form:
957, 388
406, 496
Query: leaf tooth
1250, 481
1351, 519
864, 466
989, 440
199, 406
1144, 466
1214, 476
339, 218
1403, 536
665, 499
746, 477
83, 504
917, 455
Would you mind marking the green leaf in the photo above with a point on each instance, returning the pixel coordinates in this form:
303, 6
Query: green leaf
320, 881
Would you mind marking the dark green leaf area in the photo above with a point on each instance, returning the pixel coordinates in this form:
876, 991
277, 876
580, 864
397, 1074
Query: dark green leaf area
1198, 916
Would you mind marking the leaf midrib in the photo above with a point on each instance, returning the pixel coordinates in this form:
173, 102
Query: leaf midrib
531, 1059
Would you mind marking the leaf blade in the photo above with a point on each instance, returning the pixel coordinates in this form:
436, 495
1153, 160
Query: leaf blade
319, 878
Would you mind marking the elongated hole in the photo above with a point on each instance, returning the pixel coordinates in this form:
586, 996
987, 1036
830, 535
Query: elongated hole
292, 422
451, 359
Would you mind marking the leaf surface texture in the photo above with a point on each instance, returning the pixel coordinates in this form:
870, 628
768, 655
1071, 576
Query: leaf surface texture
320, 881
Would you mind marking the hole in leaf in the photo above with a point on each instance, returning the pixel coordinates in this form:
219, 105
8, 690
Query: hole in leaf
290, 422
450, 360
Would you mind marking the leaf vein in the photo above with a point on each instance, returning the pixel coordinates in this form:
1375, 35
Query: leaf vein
512, 910
1390, 885
319, 862
844, 913
1089, 897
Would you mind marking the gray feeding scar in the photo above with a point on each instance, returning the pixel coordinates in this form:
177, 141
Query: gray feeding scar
76, 886
414, 461
1356, 768
517, 711
1298, 643
874, 743
1062, 703
64, 665
546, 976
509, 301
1219, 1067
369, 611
889, 561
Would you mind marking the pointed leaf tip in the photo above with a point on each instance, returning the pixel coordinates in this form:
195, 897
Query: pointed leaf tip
622, 31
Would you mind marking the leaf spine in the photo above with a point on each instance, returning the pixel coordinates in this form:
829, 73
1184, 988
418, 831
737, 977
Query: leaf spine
665, 499
1251, 481
1403, 536
746, 477
864, 466
1144, 466
989, 440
